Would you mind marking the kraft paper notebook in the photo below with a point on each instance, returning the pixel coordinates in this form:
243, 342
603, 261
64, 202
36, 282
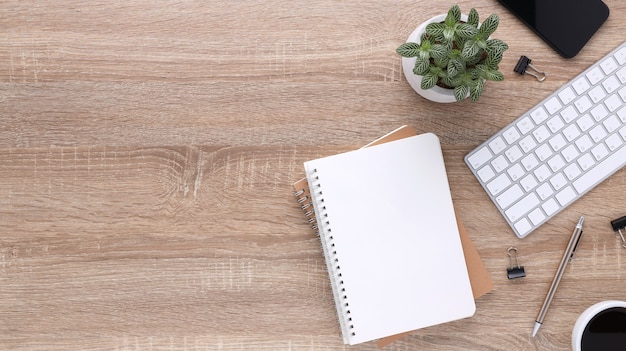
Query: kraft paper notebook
479, 276
390, 238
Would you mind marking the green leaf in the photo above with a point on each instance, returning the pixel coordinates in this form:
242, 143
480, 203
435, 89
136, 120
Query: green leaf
429, 80
472, 18
474, 73
477, 89
460, 92
455, 66
437, 71
454, 16
494, 59
489, 26
421, 67
470, 49
494, 75
496, 45
475, 59
465, 31
435, 29
454, 54
442, 62
438, 51
449, 81
448, 33
408, 49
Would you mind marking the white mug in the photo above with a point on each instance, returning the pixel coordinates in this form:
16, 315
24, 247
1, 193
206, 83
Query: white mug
612, 311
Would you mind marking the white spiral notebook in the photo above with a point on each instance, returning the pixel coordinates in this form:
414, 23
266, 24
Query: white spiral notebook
390, 238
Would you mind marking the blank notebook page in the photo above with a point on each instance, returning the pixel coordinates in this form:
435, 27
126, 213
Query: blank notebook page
390, 238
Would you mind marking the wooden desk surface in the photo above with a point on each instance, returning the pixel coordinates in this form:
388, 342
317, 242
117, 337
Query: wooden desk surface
147, 152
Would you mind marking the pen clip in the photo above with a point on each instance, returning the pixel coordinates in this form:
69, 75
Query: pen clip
578, 230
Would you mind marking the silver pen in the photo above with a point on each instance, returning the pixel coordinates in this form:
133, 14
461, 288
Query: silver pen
567, 256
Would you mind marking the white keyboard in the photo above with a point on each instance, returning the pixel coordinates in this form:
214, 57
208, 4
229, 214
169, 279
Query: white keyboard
560, 149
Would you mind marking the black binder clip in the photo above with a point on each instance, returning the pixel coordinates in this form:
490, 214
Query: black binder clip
522, 66
514, 271
618, 225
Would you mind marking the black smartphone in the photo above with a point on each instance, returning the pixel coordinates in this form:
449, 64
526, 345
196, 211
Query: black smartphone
566, 25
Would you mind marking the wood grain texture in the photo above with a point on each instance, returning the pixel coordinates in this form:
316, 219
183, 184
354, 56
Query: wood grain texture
147, 152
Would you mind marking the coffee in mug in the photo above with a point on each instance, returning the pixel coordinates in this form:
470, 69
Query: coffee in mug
601, 327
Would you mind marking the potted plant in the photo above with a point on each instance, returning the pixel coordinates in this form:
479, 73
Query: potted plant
453, 55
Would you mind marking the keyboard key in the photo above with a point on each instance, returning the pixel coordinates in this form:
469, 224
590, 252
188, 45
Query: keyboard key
539, 115
599, 152
594, 75
621, 75
597, 133
498, 184
541, 134
522, 207
544, 191
497, 145
567, 95
528, 182
558, 181
585, 122
514, 153
542, 173
613, 142
499, 164
584, 143
586, 161
556, 163
509, 196
611, 124
543, 152
565, 196
552, 105
525, 125
511, 135
557, 142
596, 94
599, 112
516, 172
523, 227
570, 153
609, 65
611, 84
527, 144
529, 162
536, 216
571, 132
581, 85
620, 56
622, 93
555, 124
613, 102
480, 157
486, 173
583, 104
622, 132
569, 114
550, 207
572, 171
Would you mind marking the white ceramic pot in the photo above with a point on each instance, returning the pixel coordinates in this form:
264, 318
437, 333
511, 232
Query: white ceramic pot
436, 93
587, 316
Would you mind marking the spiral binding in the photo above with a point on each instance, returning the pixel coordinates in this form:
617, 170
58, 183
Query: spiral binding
330, 253
304, 199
